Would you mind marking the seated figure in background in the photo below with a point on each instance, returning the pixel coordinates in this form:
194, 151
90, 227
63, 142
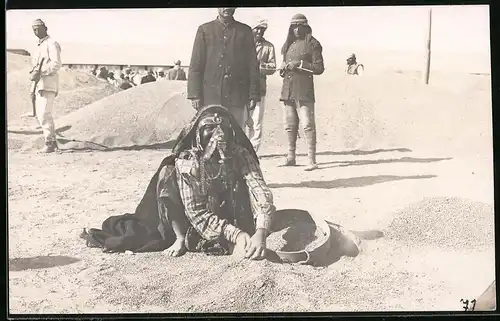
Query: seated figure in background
353, 68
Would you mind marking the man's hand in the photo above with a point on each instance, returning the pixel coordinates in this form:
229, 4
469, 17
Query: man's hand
35, 76
256, 249
196, 103
252, 105
292, 65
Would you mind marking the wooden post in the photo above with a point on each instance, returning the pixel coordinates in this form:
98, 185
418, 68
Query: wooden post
428, 50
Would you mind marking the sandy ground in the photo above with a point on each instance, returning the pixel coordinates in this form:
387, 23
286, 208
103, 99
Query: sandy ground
49, 205
52, 197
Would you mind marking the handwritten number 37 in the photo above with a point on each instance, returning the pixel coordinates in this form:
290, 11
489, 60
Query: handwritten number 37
467, 306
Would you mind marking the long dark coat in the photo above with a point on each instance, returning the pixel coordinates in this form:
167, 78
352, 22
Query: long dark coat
224, 69
299, 84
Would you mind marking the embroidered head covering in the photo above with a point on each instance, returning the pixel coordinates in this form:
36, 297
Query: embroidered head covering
189, 136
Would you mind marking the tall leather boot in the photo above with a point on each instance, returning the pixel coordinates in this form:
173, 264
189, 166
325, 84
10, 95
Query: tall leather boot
311, 153
292, 145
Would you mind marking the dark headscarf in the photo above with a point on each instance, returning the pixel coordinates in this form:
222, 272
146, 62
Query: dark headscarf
188, 139
298, 19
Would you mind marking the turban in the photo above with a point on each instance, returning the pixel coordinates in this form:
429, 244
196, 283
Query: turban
260, 24
38, 22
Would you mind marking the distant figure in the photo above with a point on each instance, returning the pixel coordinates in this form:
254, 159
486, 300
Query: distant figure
224, 69
124, 83
353, 68
111, 78
161, 74
267, 59
136, 77
148, 78
177, 73
103, 73
94, 70
45, 75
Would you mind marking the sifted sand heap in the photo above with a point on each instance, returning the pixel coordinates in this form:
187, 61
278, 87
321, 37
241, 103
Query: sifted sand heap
390, 110
150, 114
445, 222
77, 89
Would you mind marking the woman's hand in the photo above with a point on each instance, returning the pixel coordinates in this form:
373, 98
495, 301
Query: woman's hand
256, 249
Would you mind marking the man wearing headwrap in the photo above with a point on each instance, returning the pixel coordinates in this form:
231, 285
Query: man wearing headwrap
302, 58
224, 69
353, 68
208, 196
47, 77
267, 60
176, 73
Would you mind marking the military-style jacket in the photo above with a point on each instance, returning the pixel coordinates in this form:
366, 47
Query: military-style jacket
224, 69
298, 84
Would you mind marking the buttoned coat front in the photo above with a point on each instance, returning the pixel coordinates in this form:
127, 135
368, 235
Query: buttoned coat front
224, 69
298, 84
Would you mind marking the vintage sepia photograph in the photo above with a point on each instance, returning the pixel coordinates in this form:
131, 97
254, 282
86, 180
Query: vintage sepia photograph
251, 159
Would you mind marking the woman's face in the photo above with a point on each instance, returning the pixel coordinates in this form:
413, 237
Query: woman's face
206, 134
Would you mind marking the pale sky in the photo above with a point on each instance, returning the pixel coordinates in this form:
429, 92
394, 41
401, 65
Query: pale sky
455, 29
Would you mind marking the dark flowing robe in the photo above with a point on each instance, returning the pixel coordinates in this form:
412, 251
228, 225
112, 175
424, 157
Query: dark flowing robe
146, 230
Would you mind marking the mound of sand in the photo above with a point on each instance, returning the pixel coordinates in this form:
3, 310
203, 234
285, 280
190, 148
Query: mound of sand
376, 111
150, 114
76, 89
445, 222
390, 111
16, 62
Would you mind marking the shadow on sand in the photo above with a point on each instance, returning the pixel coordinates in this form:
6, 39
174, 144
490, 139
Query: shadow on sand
349, 182
37, 132
102, 148
40, 262
302, 230
350, 152
382, 161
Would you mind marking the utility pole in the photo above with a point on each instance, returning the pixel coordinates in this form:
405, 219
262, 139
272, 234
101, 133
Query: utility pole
428, 49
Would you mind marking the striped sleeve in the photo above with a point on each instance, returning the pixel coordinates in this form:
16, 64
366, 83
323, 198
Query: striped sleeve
261, 197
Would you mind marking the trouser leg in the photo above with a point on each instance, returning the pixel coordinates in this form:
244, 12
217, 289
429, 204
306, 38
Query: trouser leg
309, 124
255, 118
44, 104
291, 129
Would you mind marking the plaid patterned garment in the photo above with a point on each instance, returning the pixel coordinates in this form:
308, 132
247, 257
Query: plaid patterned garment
211, 224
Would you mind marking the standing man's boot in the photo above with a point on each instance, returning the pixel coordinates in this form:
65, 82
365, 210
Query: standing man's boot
311, 153
292, 144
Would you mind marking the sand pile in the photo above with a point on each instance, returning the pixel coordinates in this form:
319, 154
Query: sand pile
16, 61
389, 111
77, 89
150, 114
445, 222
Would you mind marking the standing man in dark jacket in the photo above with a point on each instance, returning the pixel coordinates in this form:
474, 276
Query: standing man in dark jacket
177, 73
302, 58
224, 69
